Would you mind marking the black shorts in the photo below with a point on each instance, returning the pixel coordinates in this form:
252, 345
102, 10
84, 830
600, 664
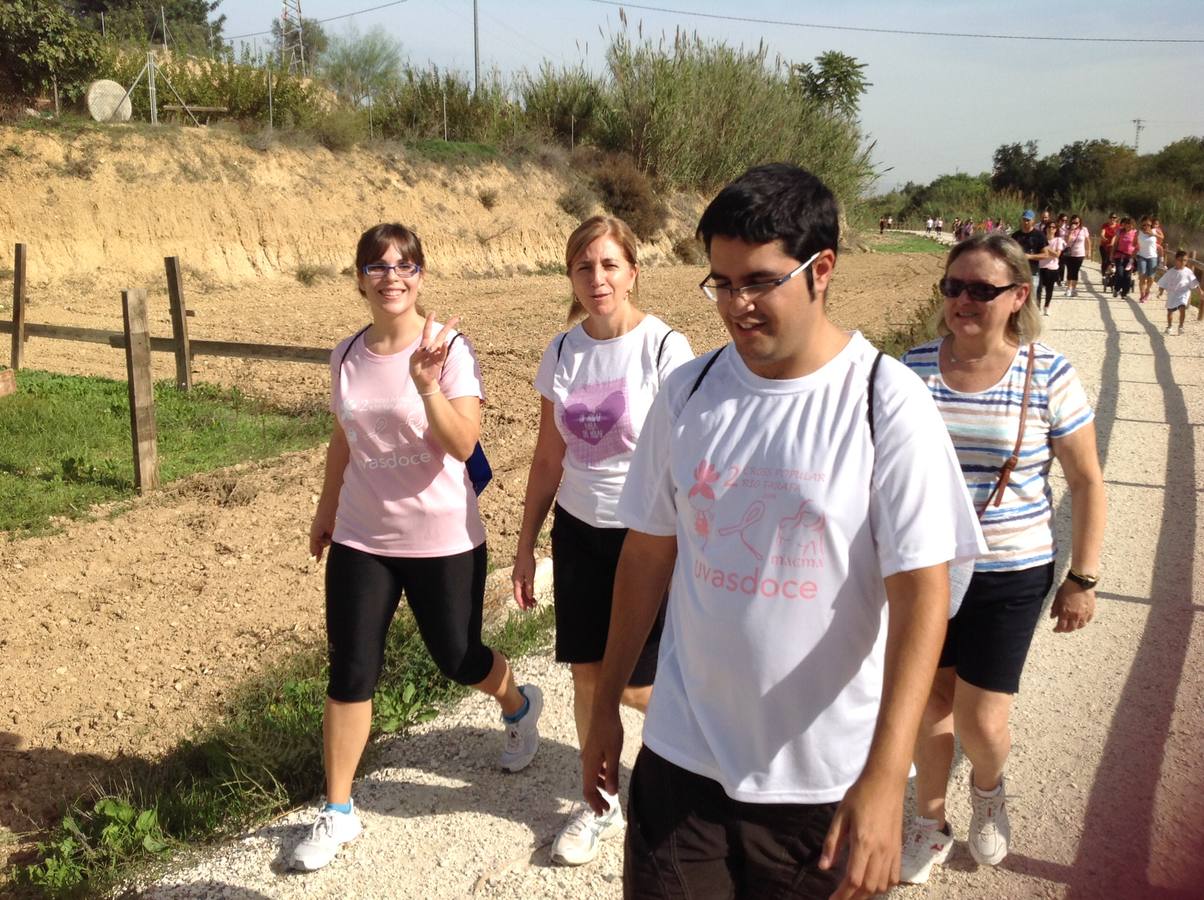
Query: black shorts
584, 560
1073, 264
445, 593
687, 838
988, 640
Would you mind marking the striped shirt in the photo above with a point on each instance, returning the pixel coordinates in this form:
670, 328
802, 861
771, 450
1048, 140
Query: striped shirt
983, 426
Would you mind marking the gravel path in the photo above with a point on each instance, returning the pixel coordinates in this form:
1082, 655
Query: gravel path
1106, 784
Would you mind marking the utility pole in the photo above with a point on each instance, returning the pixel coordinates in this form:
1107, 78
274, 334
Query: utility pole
476, 51
1138, 125
163, 19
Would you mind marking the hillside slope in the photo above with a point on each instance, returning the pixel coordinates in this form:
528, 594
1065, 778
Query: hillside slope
116, 200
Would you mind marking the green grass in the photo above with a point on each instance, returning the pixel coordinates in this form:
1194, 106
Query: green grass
906, 243
65, 441
454, 151
262, 757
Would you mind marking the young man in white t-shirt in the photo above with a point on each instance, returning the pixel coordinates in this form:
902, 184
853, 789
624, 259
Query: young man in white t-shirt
786, 705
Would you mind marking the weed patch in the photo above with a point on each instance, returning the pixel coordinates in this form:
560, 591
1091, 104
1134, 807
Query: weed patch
310, 273
263, 756
65, 441
906, 243
488, 198
578, 201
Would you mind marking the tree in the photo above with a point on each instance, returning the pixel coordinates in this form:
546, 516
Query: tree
835, 81
362, 66
314, 42
1015, 168
139, 21
41, 44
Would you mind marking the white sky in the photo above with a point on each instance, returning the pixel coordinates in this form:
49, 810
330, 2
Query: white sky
937, 105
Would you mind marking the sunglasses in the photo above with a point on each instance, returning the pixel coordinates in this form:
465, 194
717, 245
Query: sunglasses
978, 291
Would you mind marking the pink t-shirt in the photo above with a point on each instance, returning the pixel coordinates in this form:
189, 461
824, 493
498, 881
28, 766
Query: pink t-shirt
1076, 241
1057, 245
402, 494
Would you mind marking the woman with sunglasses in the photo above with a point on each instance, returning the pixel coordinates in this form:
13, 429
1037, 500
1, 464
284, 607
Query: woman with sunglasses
597, 381
399, 514
1003, 394
1078, 248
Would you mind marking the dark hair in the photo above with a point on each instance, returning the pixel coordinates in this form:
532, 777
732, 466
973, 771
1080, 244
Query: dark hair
1180, 254
379, 238
775, 202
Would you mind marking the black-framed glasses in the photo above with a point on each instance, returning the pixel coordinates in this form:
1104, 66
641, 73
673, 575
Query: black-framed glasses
978, 291
726, 292
381, 270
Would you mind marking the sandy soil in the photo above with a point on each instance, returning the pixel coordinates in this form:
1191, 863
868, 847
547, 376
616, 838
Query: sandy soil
120, 635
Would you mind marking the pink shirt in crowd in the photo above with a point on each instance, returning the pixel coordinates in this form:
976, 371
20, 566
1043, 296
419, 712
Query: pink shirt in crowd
1057, 245
402, 494
1076, 241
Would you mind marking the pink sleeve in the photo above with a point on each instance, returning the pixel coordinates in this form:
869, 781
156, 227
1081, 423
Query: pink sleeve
462, 373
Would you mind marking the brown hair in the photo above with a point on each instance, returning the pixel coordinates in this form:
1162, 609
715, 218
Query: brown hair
376, 240
585, 234
1023, 325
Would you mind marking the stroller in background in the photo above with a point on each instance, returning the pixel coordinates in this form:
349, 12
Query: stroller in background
1120, 278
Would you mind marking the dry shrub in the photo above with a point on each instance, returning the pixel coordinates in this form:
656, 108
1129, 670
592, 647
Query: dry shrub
578, 201
340, 130
488, 198
627, 193
689, 249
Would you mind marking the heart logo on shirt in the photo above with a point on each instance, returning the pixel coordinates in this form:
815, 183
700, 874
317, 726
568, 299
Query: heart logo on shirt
591, 425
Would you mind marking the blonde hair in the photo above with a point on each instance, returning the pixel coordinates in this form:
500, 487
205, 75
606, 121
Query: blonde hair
1024, 325
585, 234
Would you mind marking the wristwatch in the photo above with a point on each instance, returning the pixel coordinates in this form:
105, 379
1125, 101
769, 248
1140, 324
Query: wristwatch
1087, 581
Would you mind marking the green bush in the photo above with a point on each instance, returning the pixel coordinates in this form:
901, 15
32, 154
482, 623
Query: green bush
40, 44
340, 129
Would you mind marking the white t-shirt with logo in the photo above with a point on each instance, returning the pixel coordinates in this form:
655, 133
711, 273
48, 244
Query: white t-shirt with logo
402, 494
601, 392
787, 519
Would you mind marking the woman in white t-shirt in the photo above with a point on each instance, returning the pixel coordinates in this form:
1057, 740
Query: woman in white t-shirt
399, 514
1149, 254
597, 382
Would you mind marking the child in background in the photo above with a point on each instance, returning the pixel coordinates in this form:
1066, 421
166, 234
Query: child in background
1178, 283
1047, 269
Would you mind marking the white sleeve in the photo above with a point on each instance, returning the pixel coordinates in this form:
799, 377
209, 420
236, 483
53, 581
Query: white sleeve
677, 352
647, 503
545, 376
920, 511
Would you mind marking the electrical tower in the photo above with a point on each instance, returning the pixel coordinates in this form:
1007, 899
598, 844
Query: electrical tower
1138, 125
292, 47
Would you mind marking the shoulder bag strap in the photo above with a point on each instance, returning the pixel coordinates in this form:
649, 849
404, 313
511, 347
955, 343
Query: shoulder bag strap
703, 374
869, 395
350, 344
1005, 471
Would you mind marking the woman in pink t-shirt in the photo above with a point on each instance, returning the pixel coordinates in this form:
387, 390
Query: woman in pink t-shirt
399, 514
1078, 248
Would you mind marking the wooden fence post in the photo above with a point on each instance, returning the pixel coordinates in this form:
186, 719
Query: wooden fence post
179, 323
141, 390
18, 306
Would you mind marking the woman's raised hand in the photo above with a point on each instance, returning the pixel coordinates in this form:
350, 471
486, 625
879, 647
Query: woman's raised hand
426, 364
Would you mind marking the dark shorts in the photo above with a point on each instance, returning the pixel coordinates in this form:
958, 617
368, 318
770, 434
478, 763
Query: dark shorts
1073, 265
445, 593
988, 640
687, 839
584, 561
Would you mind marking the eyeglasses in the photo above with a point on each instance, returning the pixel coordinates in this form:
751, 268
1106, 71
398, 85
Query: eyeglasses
381, 270
726, 292
978, 291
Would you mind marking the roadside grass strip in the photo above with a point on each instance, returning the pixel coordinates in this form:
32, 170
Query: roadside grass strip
893, 242
262, 757
65, 441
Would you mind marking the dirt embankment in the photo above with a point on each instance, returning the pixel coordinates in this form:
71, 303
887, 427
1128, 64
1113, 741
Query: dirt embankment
114, 202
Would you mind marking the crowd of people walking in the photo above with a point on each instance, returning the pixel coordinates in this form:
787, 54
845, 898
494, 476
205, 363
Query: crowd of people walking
809, 565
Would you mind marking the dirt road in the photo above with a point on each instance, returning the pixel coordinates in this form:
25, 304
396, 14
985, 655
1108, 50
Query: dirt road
1106, 784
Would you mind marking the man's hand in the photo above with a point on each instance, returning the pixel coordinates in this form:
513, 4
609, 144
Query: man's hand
870, 821
600, 757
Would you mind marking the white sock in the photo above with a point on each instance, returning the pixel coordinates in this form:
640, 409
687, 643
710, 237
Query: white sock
994, 792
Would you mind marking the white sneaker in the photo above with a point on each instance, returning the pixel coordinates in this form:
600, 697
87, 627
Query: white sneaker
989, 828
1169, 330
330, 831
1045, 312
1180, 329
924, 846
522, 737
1067, 293
1075, 292
580, 839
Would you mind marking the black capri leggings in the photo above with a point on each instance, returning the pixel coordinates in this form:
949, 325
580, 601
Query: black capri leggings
1073, 264
445, 593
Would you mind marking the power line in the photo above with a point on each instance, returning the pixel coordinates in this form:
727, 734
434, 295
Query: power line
235, 37
952, 34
